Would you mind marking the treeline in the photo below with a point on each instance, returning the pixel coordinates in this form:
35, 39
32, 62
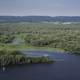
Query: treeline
39, 19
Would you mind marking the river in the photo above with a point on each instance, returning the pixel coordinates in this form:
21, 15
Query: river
66, 67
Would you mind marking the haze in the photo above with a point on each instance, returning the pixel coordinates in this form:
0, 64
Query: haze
40, 7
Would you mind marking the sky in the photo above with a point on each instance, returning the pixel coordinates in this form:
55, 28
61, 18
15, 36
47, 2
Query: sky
40, 7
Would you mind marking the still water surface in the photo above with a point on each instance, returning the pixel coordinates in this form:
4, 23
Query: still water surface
66, 67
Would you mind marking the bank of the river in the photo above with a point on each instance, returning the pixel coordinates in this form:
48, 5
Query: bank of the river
28, 47
23, 47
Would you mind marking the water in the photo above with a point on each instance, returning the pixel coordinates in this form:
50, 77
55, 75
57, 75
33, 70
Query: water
66, 67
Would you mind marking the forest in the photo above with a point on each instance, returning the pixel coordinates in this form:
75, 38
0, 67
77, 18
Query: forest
64, 36
56, 36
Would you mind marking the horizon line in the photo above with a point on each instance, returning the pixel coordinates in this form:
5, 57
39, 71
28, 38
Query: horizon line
43, 15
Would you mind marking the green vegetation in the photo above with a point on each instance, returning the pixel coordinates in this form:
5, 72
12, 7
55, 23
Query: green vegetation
57, 36
16, 37
6, 39
14, 57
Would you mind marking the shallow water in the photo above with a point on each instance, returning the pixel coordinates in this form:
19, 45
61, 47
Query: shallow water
66, 67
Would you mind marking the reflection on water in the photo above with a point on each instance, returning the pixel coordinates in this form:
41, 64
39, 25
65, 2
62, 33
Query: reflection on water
66, 67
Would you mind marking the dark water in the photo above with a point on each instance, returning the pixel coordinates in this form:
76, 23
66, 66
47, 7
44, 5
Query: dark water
66, 67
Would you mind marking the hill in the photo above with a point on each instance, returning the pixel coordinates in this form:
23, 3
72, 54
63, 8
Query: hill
39, 19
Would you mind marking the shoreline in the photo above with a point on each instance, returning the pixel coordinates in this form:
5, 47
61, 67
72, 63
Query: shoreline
15, 57
28, 47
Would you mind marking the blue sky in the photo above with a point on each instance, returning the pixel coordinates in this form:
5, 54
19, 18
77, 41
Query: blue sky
40, 7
